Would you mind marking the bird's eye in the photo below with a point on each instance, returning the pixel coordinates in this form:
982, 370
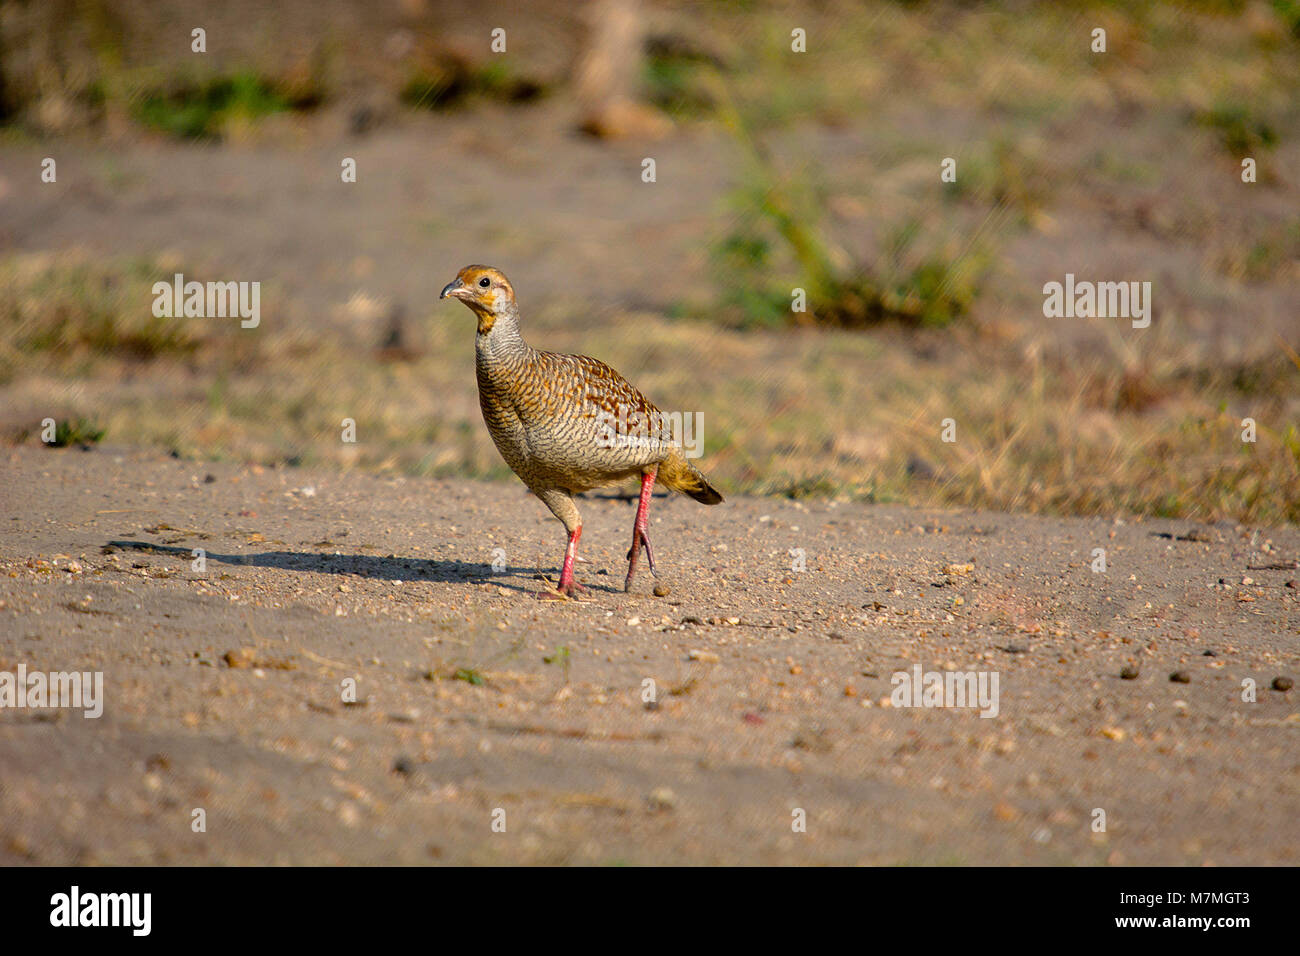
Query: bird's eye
485, 282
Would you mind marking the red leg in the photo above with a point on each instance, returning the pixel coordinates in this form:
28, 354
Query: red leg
568, 586
639, 537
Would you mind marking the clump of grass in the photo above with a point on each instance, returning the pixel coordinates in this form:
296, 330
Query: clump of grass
72, 310
469, 676
814, 486
934, 287
560, 656
76, 431
1288, 11
203, 110
1240, 130
449, 82
1006, 175
674, 76
1270, 256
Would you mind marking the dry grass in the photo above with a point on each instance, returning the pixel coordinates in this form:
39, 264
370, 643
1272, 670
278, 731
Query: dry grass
1149, 427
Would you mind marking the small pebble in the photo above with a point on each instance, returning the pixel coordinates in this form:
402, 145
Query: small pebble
661, 799
1130, 672
661, 590
1180, 677
241, 657
1283, 683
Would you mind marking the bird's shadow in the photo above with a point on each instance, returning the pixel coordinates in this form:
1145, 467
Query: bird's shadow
356, 565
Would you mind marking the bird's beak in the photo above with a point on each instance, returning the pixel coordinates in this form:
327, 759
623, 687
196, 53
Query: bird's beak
454, 290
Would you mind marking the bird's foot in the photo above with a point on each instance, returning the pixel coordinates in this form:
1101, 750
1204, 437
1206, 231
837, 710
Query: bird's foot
565, 592
632, 561
649, 555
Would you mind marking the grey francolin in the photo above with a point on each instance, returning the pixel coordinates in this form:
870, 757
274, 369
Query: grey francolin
567, 423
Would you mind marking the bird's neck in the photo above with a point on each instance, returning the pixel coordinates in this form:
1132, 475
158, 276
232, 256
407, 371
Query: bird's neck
498, 337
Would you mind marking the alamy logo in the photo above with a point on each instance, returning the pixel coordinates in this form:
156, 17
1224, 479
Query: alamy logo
946, 689
54, 689
208, 300
103, 909
1098, 300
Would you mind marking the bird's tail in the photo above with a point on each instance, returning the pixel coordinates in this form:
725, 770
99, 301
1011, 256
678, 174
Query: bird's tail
677, 473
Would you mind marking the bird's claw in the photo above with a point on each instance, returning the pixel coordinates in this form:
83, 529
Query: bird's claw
562, 593
649, 555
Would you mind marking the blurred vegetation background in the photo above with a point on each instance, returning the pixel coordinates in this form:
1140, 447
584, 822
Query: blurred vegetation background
776, 170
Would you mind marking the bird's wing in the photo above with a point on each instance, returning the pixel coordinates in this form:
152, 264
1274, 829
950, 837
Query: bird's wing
601, 389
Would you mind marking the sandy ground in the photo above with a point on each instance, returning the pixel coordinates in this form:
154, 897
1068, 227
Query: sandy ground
224, 688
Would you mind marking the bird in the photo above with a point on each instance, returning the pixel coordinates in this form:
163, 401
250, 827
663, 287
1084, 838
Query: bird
568, 423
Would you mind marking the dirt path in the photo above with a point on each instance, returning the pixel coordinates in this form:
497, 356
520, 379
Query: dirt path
223, 687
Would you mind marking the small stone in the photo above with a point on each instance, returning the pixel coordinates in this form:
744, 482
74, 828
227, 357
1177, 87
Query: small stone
1283, 683
239, 658
1180, 677
661, 590
850, 691
633, 621
1006, 812
705, 657
158, 761
1247, 580
1113, 733
661, 799
1129, 672
796, 669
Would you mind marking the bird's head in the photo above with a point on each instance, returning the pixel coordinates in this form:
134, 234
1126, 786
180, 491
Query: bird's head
485, 290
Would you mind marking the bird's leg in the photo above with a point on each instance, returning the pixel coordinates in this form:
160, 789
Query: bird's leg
568, 587
639, 537
561, 504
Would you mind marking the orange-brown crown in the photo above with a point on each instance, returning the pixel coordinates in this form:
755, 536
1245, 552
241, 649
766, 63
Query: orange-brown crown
484, 289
